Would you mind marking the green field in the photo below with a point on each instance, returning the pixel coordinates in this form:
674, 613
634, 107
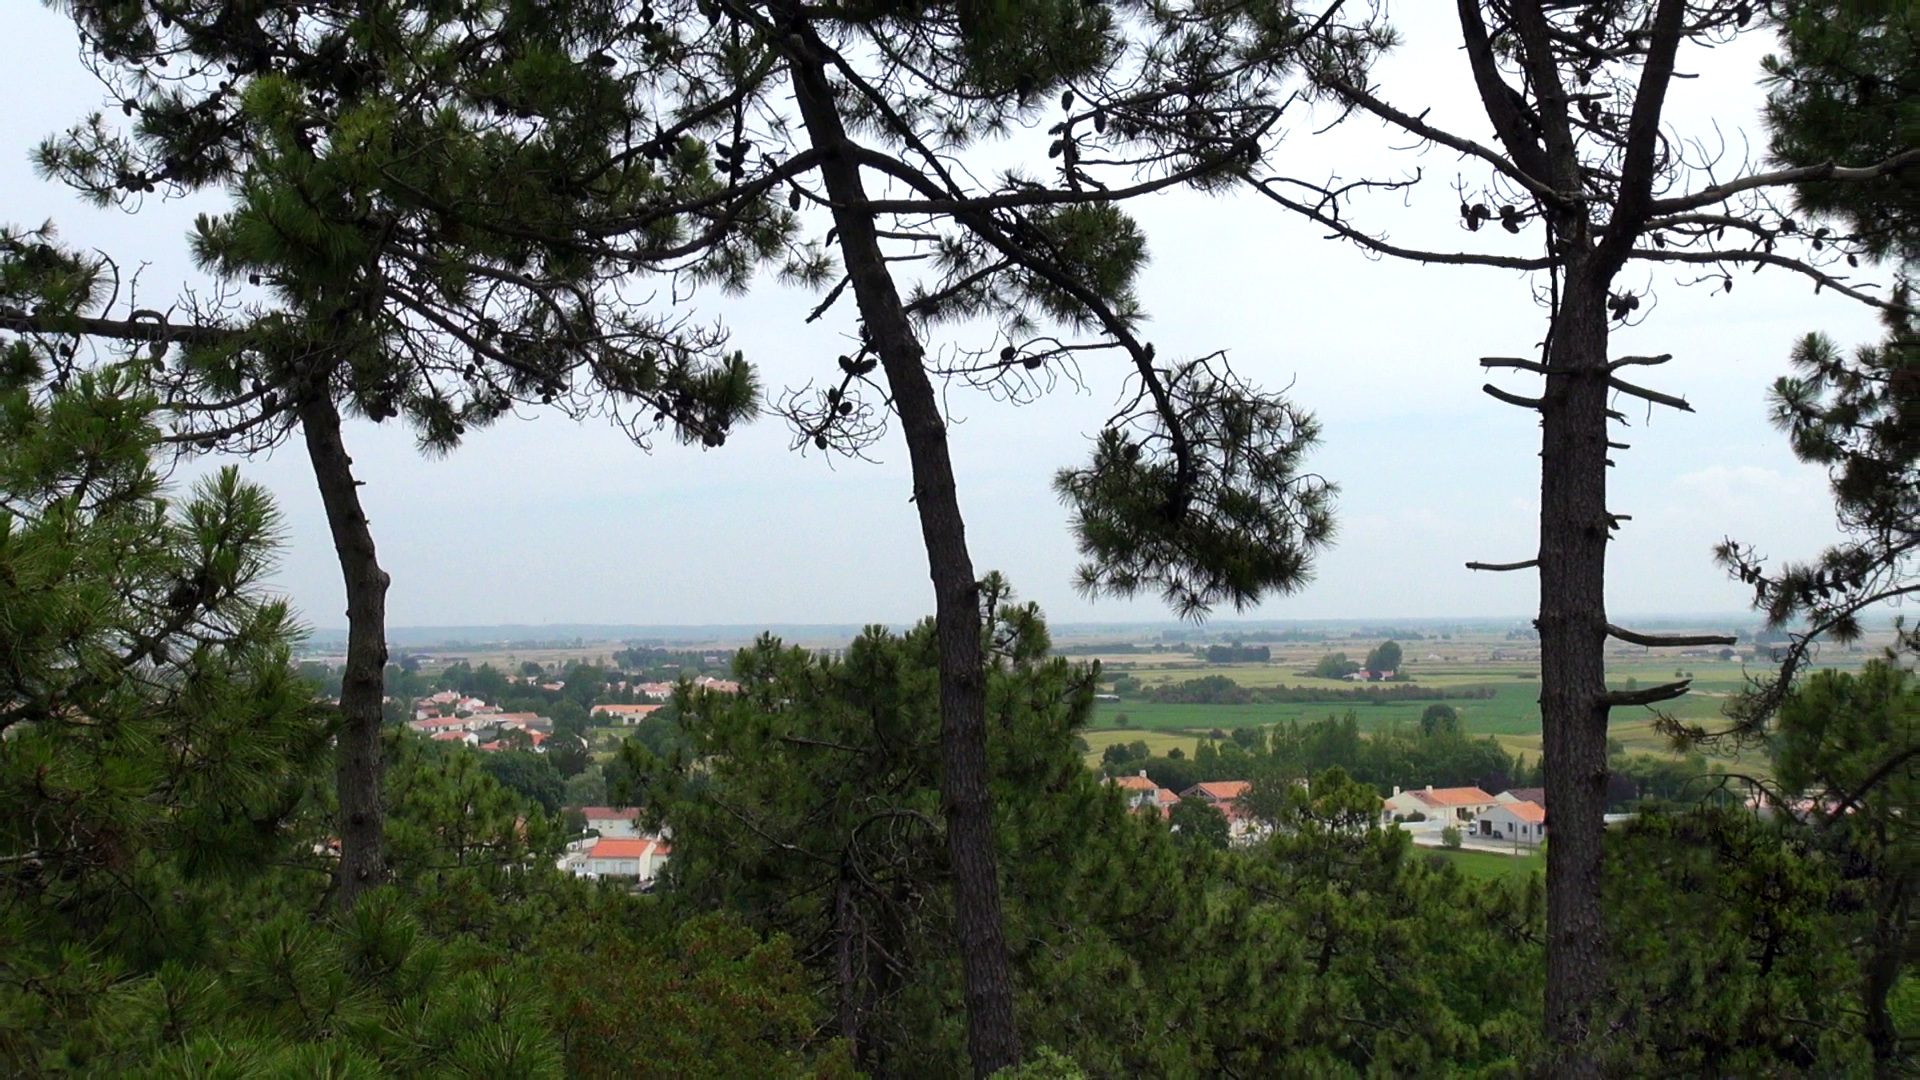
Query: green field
1514, 710
1512, 715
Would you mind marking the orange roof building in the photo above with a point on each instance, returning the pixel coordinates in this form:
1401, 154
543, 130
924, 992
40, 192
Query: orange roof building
1434, 804
1218, 791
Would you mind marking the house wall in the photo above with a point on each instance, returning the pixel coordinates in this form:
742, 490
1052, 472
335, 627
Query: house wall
614, 828
1498, 824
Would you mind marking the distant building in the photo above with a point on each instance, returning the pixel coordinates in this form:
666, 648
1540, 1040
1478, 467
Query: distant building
640, 859
1520, 821
625, 715
1145, 796
1452, 805
1224, 796
613, 823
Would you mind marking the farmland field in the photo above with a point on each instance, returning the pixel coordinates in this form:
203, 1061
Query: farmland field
1510, 670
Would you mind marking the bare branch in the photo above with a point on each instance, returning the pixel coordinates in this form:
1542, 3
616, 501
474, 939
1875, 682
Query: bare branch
1659, 640
1885, 770
1511, 399
1768, 258
23, 322
1719, 193
1504, 566
1627, 361
1614, 699
1514, 362
1654, 396
1372, 243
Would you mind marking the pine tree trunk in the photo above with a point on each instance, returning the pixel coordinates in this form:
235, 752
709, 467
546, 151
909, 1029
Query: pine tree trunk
845, 968
1573, 627
360, 767
992, 1039
1886, 961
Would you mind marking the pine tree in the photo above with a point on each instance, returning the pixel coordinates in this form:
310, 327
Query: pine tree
386, 170
1845, 86
1583, 162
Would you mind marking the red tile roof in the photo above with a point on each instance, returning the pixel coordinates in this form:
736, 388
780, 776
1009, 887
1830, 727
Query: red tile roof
1133, 783
1529, 794
1526, 811
1451, 796
620, 849
603, 813
1219, 790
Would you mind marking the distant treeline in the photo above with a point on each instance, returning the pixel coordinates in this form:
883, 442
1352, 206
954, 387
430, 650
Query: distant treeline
1238, 654
1222, 690
1111, 648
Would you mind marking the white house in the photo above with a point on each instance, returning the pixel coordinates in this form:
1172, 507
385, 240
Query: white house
640, 859
625, 715
611, 823
1519, 821
1455, 805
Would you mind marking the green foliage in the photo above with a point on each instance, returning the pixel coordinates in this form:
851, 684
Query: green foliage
1204, 501
1197, 823
156, 735
1334, 666
1450, 837
1439, 720
807, 801
410, 185
1760, 980
1385, 657
165, 843
1224, 690
532, 776
1845, 88
1397, 756
717, 1001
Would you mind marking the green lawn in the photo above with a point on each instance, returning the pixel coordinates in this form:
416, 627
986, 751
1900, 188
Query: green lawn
1488, 866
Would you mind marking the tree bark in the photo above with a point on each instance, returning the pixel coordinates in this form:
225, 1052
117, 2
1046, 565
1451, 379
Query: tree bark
845, 968
993, 1040
1886, 960
360, 768
1574, 529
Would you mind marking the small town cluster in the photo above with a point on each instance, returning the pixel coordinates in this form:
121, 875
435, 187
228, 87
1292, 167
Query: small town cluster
612, 844
1517, 816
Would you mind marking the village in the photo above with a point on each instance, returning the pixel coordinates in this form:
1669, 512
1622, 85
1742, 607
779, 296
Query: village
612, 845
1510, 821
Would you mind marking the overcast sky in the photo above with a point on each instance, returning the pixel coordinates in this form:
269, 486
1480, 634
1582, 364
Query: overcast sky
545, 521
